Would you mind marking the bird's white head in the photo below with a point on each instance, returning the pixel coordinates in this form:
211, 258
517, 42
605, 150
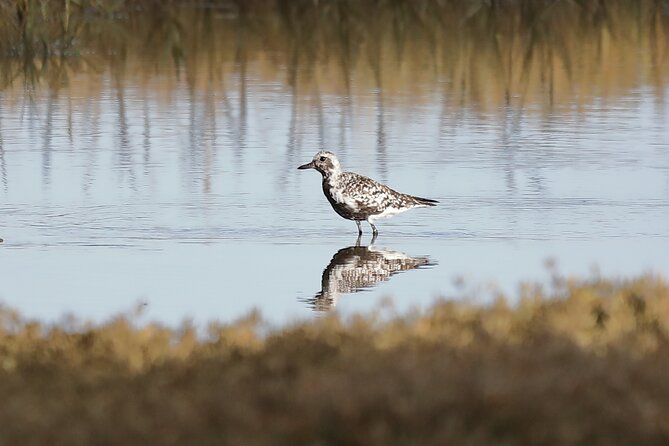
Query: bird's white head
324, 162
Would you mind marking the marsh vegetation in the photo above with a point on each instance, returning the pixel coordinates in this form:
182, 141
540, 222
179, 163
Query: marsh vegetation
574, 362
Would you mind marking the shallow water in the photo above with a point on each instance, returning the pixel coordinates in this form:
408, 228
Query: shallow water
148, 189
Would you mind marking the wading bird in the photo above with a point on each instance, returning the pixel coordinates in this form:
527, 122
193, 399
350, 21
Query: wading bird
356, 197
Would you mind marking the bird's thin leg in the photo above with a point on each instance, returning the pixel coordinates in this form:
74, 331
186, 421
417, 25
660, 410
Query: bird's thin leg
374, 230
357, 241
359, 228
373, 239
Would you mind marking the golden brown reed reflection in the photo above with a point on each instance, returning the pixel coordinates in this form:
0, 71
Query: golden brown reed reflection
358, 268
479, 54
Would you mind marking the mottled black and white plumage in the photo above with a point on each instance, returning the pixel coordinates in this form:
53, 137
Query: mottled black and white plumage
356, 197
357, 268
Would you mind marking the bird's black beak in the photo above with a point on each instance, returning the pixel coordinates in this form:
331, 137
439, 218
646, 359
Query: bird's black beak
307, 166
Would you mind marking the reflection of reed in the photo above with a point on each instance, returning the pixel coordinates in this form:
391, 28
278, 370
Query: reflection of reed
487, 53
124, 148
3, 165
357, 268
482, 56
92, 115
146, 144
47, 142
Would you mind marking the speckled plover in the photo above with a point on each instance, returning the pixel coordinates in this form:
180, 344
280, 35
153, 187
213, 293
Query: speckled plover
359, 198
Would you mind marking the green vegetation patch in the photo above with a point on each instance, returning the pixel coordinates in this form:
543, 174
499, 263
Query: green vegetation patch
584, 362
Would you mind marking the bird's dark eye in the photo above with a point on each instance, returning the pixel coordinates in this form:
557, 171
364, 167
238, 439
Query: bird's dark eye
322, 158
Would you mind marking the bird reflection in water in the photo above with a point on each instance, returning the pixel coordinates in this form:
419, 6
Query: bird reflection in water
358, 268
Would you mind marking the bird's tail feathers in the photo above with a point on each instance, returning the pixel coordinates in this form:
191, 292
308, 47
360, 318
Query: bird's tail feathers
425, 201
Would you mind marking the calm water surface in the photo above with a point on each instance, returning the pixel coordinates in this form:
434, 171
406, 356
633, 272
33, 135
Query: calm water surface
149, 188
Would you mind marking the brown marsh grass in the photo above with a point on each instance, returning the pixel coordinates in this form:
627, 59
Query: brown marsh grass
478, 53
578, 362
